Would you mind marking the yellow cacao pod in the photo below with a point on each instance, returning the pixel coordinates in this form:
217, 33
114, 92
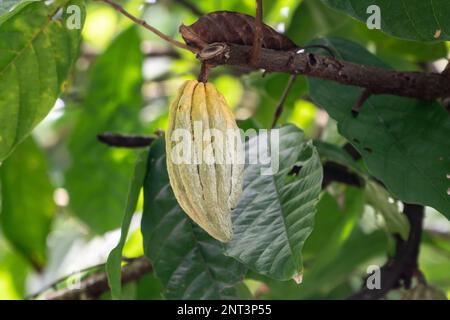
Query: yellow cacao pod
205, 168
424, 292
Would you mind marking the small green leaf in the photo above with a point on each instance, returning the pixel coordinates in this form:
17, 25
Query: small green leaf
14, 271
113, 264
275, 214
36, 54
189, 262
27, 207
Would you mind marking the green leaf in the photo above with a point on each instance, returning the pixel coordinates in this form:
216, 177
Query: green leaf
270, 89
7, 6
27, 202
189, 262
98, 179
333, 224
336, 250
13, 272
36, 54
404, 142
313, 19
413, 19
316, 20
113, 264
378, 198
275, 214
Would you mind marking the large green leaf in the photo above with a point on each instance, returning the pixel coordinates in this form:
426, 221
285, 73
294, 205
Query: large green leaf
189, 262
335, 251
113, 264
98, 179
275, 214
420, 20
9, 5
403, 141
36, 54
27, 201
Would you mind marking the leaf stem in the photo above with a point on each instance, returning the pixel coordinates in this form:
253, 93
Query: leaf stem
144, 24
279, 108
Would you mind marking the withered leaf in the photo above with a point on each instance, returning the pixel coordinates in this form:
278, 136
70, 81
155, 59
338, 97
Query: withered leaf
234, 28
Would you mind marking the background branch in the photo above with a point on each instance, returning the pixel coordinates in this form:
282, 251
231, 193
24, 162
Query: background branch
125, 141
399, 269
420, 85
335, 172
97, 284
258, 36
280, 105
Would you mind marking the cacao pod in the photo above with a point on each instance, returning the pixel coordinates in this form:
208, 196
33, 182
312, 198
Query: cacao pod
205, 167
424, 292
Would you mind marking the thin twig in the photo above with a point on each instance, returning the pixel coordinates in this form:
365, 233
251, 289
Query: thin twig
64, 278
140, 22
279, 108
258, 36
97, 284
53, 284
360, 102
125, 141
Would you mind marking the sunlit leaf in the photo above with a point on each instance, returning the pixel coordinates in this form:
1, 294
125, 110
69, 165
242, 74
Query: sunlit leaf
27, 202
36, 54
98, 178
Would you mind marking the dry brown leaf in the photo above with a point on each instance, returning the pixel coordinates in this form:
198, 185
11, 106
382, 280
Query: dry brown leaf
234, 28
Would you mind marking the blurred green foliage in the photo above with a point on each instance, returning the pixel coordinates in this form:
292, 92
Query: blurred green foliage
120, 84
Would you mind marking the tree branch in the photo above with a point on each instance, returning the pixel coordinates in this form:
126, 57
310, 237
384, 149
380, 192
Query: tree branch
420, 85
335, 172
140, 22
399, 269
94, 286
279, 108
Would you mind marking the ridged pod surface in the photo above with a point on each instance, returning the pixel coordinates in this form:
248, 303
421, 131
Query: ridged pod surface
206, 190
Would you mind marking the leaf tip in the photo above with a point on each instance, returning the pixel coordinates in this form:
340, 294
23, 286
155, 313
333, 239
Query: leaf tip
298, 278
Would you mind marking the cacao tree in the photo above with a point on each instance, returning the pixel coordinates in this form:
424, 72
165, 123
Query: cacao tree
289, 149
